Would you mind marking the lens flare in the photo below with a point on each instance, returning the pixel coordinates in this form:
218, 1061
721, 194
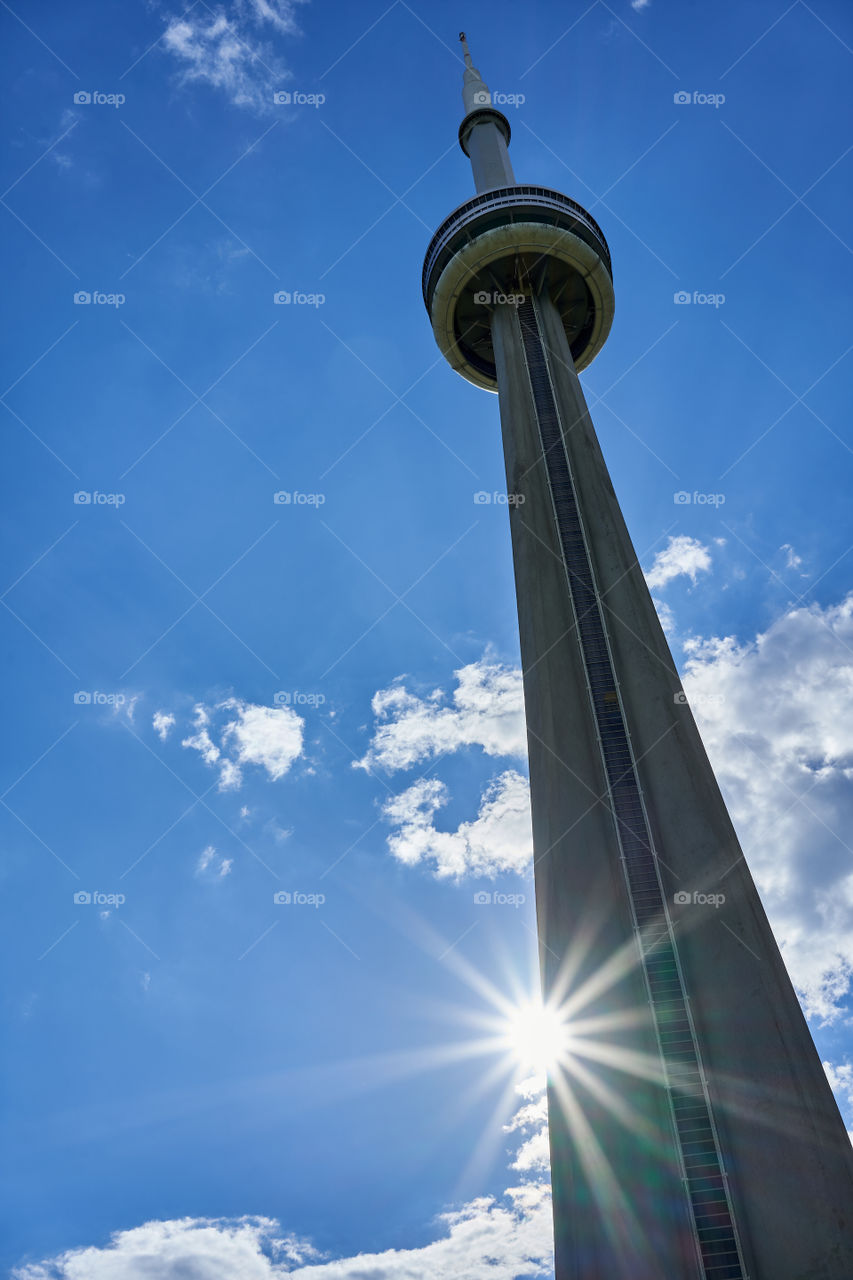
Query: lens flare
537, 1036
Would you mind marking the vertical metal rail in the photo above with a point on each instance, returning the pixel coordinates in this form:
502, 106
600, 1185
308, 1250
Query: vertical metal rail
696, 1138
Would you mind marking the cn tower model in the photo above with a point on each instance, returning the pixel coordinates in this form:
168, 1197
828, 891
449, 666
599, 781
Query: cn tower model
694, 1135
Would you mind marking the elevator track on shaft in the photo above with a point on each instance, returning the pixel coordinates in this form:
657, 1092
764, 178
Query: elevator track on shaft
696, 1136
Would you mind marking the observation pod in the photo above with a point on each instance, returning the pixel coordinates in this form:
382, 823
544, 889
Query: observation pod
504, 242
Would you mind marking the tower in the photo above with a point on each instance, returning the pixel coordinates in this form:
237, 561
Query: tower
693, 1133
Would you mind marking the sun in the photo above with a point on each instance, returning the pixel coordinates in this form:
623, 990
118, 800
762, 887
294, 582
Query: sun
537, 1036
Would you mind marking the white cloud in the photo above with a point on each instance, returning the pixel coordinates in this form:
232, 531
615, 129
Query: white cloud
792, 560
230, 776
268, 736
225, 48
486, 1239
841, 1081
776, 716
533, 1086
206, 1248
499, 839
667, 617
163, 723
534, 1154
535, 1112
201, 741
204, 858
640, 4
280, 13
682, 555
207, 861
487, 710
271, 737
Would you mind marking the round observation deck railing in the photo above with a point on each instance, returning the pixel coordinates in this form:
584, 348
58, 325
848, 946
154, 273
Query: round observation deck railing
509, 204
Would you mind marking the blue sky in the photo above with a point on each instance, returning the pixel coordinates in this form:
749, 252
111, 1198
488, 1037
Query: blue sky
195, 672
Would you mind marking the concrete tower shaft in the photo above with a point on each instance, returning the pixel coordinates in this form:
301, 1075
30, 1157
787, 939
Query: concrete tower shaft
693, 1132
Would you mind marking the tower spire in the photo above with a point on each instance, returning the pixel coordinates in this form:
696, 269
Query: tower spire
484, 132
475, 91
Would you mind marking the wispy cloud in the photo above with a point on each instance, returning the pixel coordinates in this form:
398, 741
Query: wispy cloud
208, 860
225, 48
792, 560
